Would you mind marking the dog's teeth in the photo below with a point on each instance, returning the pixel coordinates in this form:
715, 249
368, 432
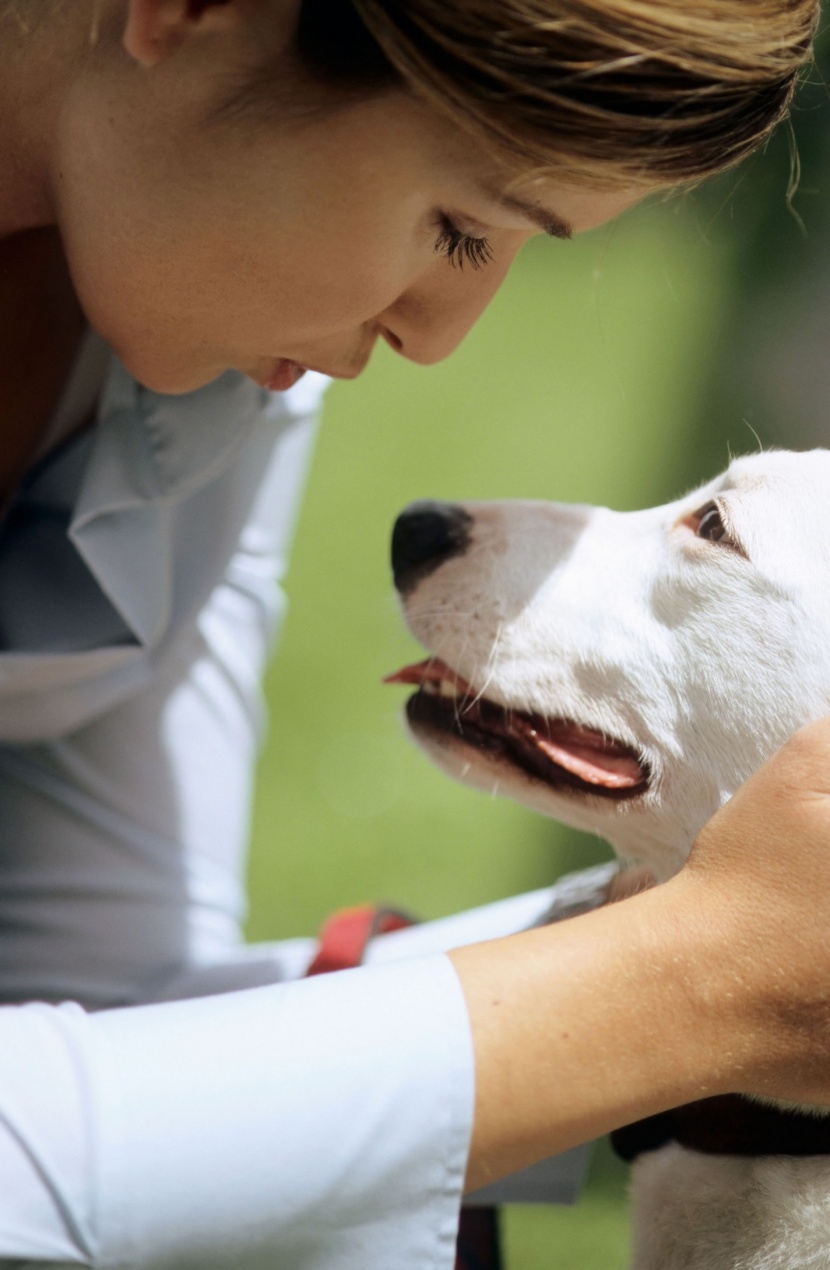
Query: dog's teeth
442, 689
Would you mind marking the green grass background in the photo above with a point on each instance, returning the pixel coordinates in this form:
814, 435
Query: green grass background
587, 380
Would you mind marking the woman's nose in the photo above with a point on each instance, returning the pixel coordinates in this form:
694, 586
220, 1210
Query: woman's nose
432, 317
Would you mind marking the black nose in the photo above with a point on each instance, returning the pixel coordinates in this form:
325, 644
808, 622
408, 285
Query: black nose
425, 535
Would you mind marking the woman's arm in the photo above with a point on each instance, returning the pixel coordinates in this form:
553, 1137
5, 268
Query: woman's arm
717, 981
313, 1121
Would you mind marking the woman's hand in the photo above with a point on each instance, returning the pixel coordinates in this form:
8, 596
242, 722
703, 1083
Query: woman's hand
716, 982
760, 869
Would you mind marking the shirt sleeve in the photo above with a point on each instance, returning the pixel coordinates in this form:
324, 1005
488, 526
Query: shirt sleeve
321, 1125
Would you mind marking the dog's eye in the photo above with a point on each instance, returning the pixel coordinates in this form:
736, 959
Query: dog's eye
707, 522
710, 524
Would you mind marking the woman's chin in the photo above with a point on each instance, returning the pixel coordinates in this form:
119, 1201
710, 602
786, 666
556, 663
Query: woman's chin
166, 377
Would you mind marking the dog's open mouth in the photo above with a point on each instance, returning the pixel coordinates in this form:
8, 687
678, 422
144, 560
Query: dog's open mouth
556, 751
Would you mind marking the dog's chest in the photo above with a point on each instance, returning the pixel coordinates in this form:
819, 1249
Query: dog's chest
703, 1212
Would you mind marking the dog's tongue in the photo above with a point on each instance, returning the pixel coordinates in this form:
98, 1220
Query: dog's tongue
433, 670
587, 754
582, 751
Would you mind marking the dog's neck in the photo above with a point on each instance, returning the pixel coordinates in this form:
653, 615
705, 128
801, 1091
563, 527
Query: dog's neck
661, 858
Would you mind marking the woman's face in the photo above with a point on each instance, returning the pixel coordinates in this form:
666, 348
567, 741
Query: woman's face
195, 249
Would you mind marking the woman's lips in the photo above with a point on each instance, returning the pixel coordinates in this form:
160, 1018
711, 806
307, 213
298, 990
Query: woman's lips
284, 372
283, 375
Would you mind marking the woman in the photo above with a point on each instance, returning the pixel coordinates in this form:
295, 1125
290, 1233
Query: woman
234, 195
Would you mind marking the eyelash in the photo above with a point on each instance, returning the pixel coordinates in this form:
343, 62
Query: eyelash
460, 248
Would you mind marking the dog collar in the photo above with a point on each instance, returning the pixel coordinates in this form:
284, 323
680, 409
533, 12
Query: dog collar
727, 1125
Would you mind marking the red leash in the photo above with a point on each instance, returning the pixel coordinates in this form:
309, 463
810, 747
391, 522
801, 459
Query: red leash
341, 946
342, 942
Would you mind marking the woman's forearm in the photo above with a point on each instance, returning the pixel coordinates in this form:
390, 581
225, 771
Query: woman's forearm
717, 981
582, 1027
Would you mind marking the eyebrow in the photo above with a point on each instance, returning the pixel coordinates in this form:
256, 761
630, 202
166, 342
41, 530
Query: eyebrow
548, 221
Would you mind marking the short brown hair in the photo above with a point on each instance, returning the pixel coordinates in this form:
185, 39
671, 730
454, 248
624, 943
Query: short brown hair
642, 92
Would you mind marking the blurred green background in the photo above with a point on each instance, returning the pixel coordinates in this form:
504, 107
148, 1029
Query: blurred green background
621, 368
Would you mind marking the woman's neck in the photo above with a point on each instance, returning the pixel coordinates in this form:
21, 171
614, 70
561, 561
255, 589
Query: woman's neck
41, 328
41, 47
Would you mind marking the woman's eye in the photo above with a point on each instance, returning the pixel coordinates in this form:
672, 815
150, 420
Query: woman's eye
460, 248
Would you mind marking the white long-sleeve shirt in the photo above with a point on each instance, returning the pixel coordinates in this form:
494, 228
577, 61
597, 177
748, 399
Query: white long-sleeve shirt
169, 1096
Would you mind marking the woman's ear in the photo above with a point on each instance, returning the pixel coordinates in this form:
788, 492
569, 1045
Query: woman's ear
157, 28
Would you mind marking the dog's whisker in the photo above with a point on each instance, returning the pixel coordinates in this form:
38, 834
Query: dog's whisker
747, 424
490, 668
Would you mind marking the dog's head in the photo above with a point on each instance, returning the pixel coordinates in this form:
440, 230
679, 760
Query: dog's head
623, 672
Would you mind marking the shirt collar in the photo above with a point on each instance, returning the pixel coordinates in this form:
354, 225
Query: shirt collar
153, 448
148, 453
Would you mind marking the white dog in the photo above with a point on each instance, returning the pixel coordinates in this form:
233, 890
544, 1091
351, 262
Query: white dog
625, 673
